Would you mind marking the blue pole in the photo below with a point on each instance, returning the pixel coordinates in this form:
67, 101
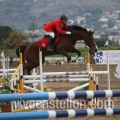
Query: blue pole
59, 95
58, 114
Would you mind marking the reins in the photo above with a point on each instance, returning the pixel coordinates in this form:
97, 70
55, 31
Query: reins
89, 42
64, 39
74, 37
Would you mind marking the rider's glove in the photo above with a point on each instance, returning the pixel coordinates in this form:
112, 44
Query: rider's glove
68, 32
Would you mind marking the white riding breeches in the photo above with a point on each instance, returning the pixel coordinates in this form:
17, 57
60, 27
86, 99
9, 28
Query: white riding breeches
52, 34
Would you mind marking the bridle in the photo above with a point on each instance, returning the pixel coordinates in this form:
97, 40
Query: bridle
87, 43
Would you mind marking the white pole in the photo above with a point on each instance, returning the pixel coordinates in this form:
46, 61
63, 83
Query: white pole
41, 74
108, 77
7, 63
33, 73
31, 89
108, 69
3, 63
6, 70
79, 87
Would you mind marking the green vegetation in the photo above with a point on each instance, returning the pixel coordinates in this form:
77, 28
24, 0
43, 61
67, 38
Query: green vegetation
11, 52
5, 89
9, 38
110, 48
4, 33
13, 39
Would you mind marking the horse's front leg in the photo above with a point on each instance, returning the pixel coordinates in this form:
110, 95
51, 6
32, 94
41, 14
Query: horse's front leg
63, 52
78, 54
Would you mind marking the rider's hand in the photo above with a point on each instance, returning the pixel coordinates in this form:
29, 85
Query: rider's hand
68, 32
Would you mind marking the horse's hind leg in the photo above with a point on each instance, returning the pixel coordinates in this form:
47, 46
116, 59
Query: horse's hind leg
26, 68
29, 67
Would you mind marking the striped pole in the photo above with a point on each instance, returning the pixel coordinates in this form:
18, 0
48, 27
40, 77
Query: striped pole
59, 95
57, 80
59, 113
56, 74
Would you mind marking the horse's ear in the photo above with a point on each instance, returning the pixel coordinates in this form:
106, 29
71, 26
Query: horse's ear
91, 31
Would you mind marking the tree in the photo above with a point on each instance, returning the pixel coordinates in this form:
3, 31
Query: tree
12, 41
32, 29
101, 42
4, 33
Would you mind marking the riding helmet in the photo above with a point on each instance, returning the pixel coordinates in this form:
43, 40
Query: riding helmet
63, 17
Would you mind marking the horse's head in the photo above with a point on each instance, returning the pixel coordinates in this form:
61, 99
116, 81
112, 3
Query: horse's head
81, 33
91, 43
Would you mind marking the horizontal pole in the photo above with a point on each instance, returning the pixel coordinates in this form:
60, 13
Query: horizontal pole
57, 80
54, 76
31, 89
98, 72
7, 70
1, 74
76, 73
59, 113
79, 87
65, 74
59, 95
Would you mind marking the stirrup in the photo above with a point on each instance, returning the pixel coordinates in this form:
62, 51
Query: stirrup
50, 48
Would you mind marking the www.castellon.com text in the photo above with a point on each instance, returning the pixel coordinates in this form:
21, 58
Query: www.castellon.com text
62, 104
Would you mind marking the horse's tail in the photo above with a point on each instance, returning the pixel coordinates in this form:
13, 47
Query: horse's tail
21, 49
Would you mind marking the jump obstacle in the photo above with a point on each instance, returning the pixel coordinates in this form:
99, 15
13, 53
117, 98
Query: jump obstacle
57, 77
61, 77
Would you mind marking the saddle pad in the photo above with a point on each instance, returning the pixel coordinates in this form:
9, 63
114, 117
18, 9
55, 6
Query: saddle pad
44, 42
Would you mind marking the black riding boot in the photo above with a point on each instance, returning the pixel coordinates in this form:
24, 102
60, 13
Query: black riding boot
50, 47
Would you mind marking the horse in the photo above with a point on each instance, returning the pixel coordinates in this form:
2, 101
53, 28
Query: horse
65, 45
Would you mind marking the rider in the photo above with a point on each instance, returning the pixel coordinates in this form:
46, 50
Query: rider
58, 26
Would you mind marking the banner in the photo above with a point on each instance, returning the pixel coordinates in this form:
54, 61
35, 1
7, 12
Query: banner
102, 56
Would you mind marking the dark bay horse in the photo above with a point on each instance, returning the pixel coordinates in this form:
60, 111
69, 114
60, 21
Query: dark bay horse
65, 45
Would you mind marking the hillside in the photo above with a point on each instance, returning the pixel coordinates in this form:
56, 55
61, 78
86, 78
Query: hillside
20, 13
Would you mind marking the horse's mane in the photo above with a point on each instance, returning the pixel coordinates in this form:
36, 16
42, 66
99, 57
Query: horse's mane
76, 27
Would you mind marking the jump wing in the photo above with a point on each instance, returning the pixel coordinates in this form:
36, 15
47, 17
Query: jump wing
117, 74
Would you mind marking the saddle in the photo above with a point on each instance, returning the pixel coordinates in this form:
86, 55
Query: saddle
44, 42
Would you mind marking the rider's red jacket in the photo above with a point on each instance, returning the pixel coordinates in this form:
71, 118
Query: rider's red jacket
55, 25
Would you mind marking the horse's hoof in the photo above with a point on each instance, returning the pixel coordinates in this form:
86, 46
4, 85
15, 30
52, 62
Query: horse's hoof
73, 60
68, 60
